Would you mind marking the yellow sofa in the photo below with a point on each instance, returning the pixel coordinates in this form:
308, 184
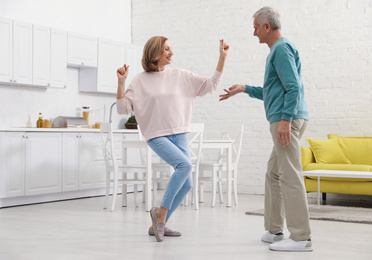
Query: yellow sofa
338, 153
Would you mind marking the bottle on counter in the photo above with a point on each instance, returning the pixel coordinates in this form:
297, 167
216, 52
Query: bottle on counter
29, 124
40, 121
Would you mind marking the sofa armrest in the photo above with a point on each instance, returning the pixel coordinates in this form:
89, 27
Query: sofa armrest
307, 156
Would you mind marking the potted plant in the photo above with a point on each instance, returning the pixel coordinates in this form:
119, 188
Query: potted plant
131, 123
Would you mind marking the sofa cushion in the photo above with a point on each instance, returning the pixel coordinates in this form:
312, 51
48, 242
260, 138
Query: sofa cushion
327, 151
357, 149
307, 156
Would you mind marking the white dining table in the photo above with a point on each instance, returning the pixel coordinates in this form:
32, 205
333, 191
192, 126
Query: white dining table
221, 144
141, 144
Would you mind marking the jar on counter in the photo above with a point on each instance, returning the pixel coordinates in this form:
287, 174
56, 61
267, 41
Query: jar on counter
85, 113
47, 123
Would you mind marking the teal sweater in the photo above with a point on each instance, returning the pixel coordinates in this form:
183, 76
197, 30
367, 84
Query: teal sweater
283, 90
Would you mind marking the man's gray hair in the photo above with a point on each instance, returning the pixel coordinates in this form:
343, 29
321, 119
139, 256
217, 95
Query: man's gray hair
268, 15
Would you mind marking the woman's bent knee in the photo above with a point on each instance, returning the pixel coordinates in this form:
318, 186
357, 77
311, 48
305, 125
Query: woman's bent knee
188, 184
185, 166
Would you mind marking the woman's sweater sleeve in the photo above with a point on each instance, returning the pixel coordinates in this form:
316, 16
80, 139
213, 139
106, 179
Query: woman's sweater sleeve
205, 85
125, 105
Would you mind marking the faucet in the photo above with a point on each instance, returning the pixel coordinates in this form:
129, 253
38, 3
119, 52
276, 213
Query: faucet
110, 120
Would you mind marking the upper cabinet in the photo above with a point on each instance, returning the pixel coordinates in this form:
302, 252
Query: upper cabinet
6, 50
41, 56
111, 56
133, 59
22, 52
82, 50
32, 54
58, 58
49, 57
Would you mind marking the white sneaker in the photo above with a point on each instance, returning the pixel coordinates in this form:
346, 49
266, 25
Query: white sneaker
291, 245
272, 238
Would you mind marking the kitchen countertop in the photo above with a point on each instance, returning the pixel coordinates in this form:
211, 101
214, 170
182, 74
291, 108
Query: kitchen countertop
34, 129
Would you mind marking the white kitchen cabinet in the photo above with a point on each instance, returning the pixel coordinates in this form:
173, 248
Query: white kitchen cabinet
70, 161
22, 53
13, 154
111, 56
31, 163
86, 178
49, 57
6, 50
53, 165
41, 56
43, 163
58, 58
32, 54
133, 58
78, 161
82, 50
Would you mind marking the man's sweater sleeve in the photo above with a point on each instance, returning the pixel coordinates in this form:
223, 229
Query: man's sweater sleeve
254, 92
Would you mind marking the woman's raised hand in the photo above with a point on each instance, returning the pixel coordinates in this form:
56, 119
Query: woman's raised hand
224, 48
123, 72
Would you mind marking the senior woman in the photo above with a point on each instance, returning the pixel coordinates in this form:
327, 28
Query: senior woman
162, 99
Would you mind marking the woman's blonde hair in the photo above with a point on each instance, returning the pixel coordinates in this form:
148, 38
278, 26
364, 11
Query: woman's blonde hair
152, 52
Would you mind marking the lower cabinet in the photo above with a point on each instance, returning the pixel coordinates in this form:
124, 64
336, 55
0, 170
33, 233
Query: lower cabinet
13, 158
78, 161
31, 163
41, 163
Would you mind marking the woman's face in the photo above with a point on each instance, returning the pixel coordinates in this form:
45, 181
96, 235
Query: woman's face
166, 57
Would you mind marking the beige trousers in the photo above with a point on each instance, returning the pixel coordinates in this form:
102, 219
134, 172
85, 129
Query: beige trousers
285, 194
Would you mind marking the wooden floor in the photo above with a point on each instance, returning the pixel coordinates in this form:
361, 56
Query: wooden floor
81, 229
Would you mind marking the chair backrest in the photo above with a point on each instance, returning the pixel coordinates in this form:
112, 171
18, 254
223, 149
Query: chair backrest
237, 146
141, 151
196, 137
107, 140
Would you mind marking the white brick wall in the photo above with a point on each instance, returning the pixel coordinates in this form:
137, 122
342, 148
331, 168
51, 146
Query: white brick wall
335, 43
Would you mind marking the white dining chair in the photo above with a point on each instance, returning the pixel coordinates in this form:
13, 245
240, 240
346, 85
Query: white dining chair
119, 172
163, 171
218, 169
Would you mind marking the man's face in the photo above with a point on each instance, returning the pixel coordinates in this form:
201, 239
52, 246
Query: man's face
259, 31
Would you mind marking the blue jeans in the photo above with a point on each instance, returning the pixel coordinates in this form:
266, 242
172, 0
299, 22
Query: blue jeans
174, 150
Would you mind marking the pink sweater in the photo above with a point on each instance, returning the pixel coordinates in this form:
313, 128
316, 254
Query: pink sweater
163, 101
